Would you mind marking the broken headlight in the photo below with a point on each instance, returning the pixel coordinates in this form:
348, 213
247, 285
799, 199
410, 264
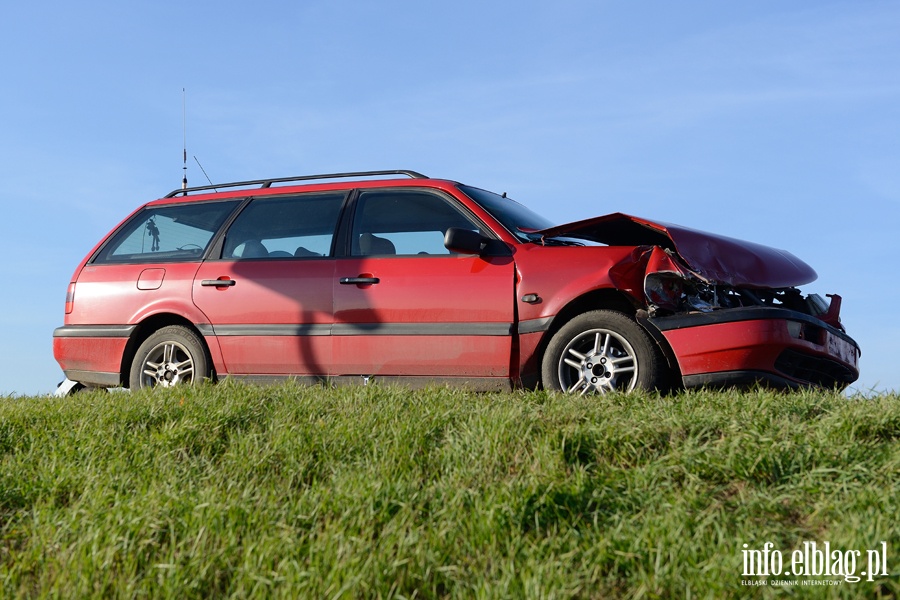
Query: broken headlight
672, 293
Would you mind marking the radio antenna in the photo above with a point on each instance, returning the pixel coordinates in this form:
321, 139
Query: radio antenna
184, 138
204, 173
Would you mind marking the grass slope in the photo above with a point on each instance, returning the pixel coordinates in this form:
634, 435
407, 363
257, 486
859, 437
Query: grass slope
290, 491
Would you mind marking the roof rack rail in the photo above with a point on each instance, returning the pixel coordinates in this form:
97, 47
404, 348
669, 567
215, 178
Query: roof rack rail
265, 183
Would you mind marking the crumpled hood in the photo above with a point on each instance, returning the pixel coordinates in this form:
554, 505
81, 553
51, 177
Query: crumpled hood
715, 258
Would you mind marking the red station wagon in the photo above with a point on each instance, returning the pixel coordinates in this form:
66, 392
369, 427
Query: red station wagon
393, 276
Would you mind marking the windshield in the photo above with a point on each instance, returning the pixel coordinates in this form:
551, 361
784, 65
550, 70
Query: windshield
517, 219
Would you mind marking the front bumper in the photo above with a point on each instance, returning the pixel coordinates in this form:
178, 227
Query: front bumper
772, 346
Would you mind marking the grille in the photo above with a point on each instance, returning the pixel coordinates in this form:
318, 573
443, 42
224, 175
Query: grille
813, 369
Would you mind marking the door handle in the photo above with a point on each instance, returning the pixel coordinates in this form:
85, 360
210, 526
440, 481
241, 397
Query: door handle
359, 280
218, 282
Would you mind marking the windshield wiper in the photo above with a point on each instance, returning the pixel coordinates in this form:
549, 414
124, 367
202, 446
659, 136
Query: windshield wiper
538, 238
559, 241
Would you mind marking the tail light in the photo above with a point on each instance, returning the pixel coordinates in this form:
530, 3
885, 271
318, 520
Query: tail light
70, 298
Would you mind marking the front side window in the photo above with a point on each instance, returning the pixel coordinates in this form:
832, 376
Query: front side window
284, 227
404, 222
169, 233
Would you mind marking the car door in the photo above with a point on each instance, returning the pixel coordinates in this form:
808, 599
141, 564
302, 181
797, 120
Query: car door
407, 307
269, 296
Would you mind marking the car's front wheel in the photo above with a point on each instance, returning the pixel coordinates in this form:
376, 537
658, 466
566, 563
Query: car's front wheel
602, 351
174, 355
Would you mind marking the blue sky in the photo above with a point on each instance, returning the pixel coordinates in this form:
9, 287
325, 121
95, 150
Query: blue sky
777, 122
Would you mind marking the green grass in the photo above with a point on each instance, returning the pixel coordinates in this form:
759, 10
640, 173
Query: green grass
290, 491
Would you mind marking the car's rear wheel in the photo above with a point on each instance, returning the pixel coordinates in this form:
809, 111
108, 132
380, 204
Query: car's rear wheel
602, 351
174, 355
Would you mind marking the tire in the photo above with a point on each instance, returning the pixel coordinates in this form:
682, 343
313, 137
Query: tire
171, 356
602, 351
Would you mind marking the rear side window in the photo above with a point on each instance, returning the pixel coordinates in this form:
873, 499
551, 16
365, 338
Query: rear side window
170, 233
285, 227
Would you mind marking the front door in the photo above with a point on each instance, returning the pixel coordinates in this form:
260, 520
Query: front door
405, 306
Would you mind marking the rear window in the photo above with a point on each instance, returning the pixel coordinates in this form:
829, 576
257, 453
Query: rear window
170, 233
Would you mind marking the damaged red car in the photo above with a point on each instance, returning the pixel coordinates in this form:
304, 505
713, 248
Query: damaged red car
396, 277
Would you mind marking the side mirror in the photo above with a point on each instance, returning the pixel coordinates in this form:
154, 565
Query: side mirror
464, 241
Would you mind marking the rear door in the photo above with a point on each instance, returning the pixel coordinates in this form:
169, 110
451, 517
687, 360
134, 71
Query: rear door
269, 296
407, 307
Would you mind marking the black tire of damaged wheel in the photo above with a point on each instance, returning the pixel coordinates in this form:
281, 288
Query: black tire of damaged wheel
173, 355
602, 351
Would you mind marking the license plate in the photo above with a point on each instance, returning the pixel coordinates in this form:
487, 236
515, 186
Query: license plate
842, 349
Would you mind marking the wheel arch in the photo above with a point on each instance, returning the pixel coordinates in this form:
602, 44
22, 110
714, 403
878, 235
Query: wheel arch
145, 329
608, 299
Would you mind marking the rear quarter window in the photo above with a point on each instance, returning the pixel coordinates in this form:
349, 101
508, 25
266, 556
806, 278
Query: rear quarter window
169, 233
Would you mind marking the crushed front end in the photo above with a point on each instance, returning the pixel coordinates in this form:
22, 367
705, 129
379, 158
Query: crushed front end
729, 336
729, 310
